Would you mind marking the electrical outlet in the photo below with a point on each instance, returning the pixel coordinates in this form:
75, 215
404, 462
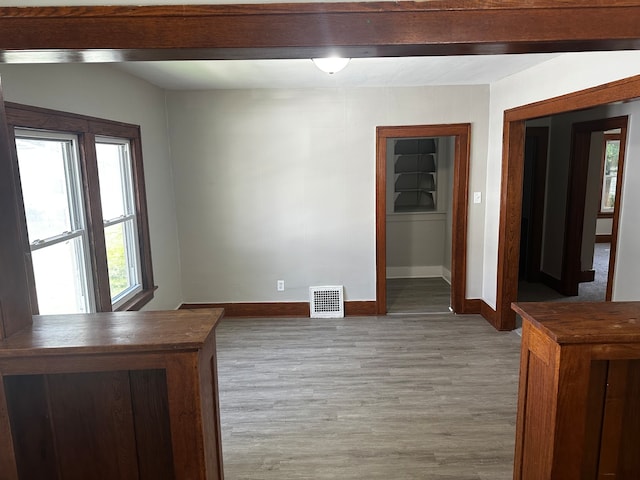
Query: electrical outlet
280, 285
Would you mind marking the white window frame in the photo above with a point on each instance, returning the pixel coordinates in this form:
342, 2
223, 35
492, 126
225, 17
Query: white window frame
129, 221
75, 200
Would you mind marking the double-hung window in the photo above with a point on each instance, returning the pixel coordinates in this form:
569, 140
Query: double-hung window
54, 209
119, 217
83, 201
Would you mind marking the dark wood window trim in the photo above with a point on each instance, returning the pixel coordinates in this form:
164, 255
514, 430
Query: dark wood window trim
87, 128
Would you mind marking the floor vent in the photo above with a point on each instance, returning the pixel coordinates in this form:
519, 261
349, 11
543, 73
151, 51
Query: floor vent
326, 302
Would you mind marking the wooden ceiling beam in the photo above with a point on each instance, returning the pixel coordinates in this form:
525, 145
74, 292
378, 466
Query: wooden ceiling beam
448, 27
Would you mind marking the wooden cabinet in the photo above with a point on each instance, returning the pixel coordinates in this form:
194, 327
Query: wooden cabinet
111, 396
579, 392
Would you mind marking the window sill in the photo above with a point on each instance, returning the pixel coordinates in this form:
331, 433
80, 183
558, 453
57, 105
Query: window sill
605, 215
137, 301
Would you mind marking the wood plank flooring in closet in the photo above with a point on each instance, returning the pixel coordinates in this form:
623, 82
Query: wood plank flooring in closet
395, 397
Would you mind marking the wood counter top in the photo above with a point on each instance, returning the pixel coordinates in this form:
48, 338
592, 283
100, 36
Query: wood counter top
148, 331
585, 322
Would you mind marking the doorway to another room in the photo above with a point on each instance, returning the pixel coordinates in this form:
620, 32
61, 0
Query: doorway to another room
575, 261
421, 212
419, 197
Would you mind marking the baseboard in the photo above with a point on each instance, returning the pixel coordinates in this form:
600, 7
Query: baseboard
587, 276
480, 307
551, 282
490, 315
279, 309
428, 271
603, 238
471, 306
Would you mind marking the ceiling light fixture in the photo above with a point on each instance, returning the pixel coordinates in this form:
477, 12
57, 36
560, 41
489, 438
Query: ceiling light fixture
330, 65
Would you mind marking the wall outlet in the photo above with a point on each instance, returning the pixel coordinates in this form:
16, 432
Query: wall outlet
280, 285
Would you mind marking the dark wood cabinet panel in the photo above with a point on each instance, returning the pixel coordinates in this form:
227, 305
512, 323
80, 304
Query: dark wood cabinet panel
105, 396
579, 393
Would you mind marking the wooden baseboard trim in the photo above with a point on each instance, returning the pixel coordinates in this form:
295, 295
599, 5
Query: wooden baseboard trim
603, 238
551, 282
471, 306
360, 308
490, 315
587, 276
279, 309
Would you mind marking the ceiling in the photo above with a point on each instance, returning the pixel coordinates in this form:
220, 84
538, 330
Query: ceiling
361, 72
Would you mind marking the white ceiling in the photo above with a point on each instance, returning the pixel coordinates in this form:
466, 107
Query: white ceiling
361, 72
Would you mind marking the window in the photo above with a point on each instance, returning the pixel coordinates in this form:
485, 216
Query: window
119, 218
610, 172
82, 189
52, 197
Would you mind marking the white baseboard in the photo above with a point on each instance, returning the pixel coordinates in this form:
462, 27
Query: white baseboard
446, 275
426, 271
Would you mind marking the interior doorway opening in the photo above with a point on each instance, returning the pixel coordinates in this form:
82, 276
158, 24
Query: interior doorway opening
409, 201
512, 178
419, 204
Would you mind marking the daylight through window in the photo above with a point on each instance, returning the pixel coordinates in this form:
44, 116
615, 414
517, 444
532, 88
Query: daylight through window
82, 190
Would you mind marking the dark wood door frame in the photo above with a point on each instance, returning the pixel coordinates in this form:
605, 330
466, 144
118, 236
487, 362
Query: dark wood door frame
511, 186
576, 194
462, 134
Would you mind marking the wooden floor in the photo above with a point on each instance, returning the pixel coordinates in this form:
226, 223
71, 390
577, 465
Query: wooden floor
418, 295
396, 397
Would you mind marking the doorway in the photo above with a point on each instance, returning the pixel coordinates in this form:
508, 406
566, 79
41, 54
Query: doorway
419, 198
575, 264
460, 138
512, 175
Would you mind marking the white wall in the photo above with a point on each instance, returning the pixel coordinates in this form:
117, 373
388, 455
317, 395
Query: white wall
592, 200
419, 244
280, 184
105, 92
559, 76
626, 281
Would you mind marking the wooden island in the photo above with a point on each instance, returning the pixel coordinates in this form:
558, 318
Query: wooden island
111, 396
579, 392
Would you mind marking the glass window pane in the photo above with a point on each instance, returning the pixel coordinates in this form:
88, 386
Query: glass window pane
117, 259
60, 278
44, 186
113, 186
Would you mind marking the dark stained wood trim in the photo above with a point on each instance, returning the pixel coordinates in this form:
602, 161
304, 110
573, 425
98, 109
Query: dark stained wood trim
279, 309
453, 27
489, 314
551, 282
603, 238
460, 207
472, 306
587, 276
512, 162
360, 308
87, 128
15, 301
510, 220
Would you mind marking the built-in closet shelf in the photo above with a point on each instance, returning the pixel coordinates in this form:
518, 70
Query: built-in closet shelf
415, 175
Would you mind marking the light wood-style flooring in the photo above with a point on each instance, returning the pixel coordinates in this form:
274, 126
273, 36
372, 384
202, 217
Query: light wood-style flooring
396, 397
418, 295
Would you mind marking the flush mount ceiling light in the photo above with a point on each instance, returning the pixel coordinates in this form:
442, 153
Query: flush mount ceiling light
331, 65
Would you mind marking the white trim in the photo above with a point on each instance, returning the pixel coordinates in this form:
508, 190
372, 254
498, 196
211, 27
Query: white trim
446, 275
424, 271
